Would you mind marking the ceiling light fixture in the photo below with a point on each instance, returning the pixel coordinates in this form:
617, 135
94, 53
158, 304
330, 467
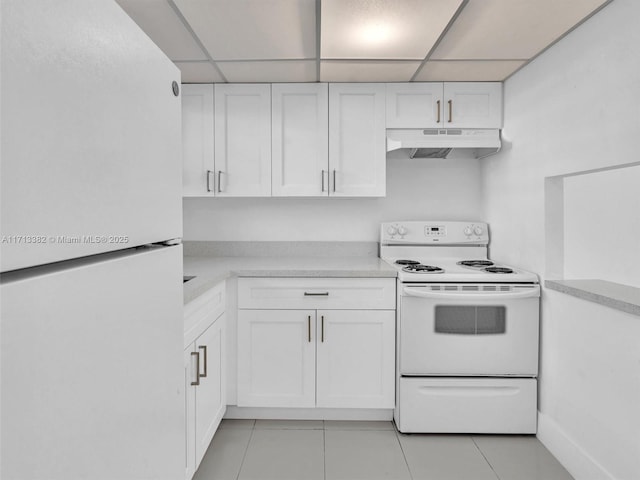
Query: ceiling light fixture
375, 33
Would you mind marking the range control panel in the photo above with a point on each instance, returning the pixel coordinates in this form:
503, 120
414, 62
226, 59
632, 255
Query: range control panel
422, 233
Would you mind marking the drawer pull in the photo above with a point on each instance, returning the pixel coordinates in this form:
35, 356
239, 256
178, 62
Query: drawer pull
204, 351
468, 391
316, 294
197, 380
209, 189
220, 172
309, 327
322, 329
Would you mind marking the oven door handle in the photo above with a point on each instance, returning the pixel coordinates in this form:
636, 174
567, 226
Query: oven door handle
456, 295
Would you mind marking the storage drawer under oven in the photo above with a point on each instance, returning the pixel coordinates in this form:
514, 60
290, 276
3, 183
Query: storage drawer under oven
467, 405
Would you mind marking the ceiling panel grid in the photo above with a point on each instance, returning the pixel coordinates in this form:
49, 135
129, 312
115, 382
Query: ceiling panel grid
355, 40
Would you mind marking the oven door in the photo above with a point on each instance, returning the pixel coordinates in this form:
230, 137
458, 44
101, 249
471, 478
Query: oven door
469, 330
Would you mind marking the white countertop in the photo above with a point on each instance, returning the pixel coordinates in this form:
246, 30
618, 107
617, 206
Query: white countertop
211, 270
625, 298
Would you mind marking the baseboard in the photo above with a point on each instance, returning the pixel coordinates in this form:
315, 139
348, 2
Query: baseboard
371, 414
578, 462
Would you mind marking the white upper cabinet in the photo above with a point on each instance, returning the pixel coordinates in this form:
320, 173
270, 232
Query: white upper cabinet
473, 105
414, 105
300, 143
357, 153
314, 139
243, 140
197, 140
444, 105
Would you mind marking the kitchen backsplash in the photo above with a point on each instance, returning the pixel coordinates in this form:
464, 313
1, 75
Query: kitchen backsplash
280, 249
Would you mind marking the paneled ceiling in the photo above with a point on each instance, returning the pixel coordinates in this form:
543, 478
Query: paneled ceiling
355, 40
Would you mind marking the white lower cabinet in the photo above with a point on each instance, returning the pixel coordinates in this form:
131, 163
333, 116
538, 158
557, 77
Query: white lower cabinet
355, 358
205, 380
190, 415
277, 358
314, 357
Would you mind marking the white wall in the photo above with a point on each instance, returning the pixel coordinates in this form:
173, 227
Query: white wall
417, 189
575, 108
603, 206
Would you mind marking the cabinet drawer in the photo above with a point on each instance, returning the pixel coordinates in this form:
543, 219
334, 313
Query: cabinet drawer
467, 405
316, 293
203, 311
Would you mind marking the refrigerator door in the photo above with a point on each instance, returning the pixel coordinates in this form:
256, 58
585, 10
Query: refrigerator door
92, 379
91, 133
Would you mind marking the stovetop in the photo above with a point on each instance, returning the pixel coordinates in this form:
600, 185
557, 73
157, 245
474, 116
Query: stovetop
450, 270
430, 252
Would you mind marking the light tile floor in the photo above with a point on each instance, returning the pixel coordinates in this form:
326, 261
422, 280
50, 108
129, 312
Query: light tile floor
340, 450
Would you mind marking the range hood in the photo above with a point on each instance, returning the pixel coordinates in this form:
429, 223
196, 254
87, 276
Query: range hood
439, 142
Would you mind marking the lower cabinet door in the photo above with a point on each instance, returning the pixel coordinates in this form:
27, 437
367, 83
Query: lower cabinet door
190, 412
210, 394
276, 358
356, 358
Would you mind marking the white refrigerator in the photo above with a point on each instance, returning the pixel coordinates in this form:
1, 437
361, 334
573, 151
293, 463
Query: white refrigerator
91, 326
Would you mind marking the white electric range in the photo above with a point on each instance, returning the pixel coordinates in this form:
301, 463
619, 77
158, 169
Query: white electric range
467, 331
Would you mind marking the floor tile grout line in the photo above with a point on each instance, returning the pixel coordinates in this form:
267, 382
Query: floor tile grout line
484, 456
246, 449
324, 452
395, 430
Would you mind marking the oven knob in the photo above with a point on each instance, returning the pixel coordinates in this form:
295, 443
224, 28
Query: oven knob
477, 230
391, 230
402, 231
468, 231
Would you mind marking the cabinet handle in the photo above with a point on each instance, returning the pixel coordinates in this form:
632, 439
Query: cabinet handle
316, 294
450, 102
197, 354
209, 172
438, 108
322, 328
219, 184
309, 328
323, 180
204, 353
334, 181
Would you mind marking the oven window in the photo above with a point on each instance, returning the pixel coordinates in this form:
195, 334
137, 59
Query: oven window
470, 320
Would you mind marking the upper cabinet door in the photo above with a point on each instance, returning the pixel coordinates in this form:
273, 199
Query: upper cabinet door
357, 153
197, 140
414, 105
473, 105
243, 140
300, 143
